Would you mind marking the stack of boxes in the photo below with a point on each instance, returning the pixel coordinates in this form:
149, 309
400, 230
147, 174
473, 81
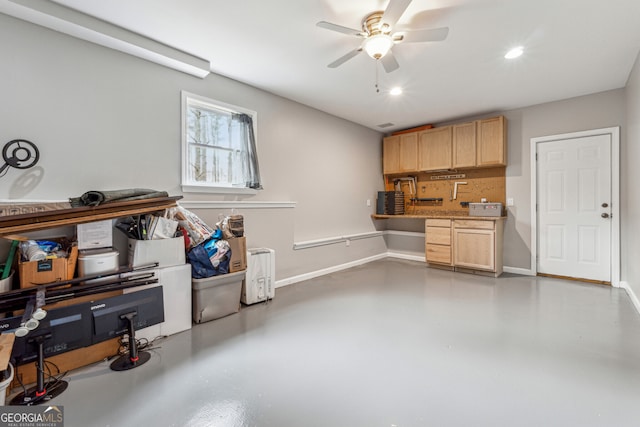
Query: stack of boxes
95, 241
173, 274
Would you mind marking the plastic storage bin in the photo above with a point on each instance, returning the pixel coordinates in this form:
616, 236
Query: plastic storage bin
216, 296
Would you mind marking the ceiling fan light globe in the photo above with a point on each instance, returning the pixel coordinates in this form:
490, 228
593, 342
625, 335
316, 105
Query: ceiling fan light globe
378, 46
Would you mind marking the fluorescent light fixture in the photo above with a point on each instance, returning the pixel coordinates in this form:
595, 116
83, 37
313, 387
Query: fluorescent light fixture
378, 46
396, 91
514, 53
77, 24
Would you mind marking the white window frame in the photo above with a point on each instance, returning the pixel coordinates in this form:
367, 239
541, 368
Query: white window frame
195, 187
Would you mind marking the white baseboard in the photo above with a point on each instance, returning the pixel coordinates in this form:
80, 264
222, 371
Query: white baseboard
329, 270
518, 270
406, 256
632, 295
398, 255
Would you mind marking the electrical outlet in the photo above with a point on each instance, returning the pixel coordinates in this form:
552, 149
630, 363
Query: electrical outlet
348, 242
368, 202
510, 201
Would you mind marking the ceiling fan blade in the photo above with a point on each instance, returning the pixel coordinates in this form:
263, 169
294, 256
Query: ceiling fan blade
340, 28
345, 58
426, 35
389, 62
394, 11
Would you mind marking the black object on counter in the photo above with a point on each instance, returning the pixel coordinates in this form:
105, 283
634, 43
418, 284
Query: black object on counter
427, 199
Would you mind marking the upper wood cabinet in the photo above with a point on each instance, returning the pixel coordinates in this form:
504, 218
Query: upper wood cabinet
464, 145
434, 149
481, 143
391, 154
491, 147
400, 153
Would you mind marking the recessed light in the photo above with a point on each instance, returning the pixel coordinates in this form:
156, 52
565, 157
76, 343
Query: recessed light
515, 52
396, 91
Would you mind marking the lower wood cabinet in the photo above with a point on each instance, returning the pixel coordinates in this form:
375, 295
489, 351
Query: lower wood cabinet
438, 241
473, 245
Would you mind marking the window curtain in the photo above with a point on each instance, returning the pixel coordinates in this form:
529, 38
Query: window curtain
252, 168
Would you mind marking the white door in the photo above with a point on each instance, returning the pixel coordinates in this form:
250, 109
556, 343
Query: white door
574, 207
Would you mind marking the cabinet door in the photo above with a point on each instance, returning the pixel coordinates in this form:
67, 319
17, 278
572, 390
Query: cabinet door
491, 142
409, 152
474, 248
391, 155
464, 145
434, 149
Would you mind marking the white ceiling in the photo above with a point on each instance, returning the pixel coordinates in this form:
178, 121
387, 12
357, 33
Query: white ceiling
572, 48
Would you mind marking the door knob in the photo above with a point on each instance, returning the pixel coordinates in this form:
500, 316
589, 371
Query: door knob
605, 215
605, 205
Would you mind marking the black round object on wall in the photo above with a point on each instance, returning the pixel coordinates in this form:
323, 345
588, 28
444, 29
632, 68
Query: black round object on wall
19, 154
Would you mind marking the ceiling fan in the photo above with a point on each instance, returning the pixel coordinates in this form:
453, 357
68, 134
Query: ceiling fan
378, 38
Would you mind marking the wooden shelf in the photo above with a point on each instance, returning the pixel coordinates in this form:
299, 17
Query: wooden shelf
62, 217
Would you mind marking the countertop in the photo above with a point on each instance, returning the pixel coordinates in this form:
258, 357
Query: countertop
459, 214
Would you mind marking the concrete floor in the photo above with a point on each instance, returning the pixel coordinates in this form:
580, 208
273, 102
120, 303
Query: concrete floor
391, 343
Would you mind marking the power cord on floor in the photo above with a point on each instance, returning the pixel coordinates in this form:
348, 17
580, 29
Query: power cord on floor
142, 344
50, 378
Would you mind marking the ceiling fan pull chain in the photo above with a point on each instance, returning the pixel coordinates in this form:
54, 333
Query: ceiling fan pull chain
376, 65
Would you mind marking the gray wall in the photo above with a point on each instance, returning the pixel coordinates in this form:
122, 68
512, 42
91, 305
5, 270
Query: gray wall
106, 120
600, 110
630, 197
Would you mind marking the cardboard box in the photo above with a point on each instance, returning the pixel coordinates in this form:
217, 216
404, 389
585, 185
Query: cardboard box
238, 261
166, 252
33, 273
217, 296
95, 235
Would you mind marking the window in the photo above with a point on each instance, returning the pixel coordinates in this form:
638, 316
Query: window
218, 147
